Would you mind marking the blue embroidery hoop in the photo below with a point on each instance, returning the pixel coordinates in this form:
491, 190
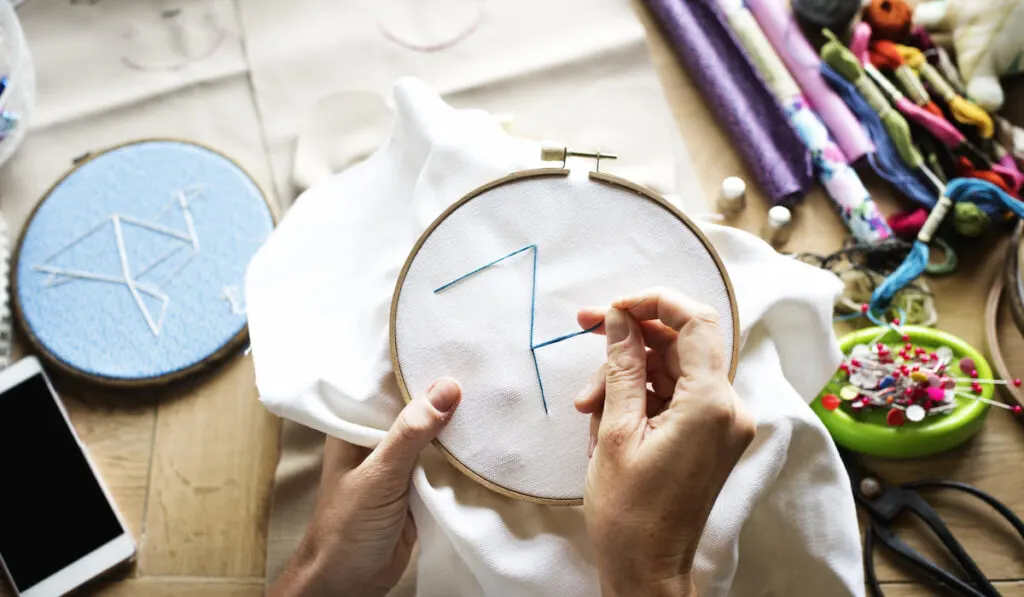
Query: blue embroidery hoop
129, 272
595, 177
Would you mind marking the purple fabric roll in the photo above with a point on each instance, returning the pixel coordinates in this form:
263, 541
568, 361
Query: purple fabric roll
730, 83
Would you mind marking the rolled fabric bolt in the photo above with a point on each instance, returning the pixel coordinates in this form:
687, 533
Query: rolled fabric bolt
851, 199
745, 106
732, 198
778, 227
804, 64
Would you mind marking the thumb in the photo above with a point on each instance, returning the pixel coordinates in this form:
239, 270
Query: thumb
416, 426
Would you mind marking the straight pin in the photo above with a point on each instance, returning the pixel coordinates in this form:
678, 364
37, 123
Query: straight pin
985, 400
997, 382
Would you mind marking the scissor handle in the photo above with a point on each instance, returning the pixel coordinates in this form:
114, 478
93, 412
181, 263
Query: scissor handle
952, 584
915, 503
996, 505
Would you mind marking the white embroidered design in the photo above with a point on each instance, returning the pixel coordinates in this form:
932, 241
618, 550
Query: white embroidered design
233, 295
188, 241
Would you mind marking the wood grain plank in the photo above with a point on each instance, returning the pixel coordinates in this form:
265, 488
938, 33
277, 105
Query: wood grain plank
165, 587
170, 587
214, 456
1006, 588
117, 430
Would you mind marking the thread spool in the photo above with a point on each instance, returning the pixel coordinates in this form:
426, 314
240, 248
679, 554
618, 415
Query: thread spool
778, 227
732, 197
815, 15
889, 19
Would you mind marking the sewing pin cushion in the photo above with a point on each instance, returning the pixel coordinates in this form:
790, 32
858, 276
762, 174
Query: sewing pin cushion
130, 270
489, 296
870, 431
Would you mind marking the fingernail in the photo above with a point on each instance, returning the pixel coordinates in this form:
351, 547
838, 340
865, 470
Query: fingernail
593, 444
622, 300
616, 326
443, 394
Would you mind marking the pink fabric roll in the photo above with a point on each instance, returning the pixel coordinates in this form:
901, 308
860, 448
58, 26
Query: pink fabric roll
803, 63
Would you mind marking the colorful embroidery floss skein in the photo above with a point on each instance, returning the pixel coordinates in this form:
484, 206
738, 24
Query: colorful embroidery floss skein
1007, 168
965, 168
938, 57
879, 119
883, 53
964, 111
846, 64
886, 161
980, 192
853, 202
860, 41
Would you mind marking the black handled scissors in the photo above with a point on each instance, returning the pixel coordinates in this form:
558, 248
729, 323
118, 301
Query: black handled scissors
885, 504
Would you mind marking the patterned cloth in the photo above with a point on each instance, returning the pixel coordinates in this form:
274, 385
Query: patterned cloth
852, 200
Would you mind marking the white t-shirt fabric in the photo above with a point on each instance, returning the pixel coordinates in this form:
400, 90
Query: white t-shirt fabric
318, 297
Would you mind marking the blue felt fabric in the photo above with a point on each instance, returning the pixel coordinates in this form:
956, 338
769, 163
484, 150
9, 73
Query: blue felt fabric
97, 327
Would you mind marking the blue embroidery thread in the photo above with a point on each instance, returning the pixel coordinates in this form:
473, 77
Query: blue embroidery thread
533, 310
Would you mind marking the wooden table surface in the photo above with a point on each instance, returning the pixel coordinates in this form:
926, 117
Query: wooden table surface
191, 467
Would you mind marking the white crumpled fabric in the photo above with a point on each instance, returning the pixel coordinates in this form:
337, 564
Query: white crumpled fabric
318, 296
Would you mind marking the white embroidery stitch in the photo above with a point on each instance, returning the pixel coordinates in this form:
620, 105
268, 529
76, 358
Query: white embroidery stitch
189, 239
233, 295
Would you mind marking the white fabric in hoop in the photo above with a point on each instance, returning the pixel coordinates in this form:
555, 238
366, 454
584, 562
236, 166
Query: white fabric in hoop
594, 242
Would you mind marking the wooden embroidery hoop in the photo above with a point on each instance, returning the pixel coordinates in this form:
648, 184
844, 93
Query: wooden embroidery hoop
548, 153
228, 349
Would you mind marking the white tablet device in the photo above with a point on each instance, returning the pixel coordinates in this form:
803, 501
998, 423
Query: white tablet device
59, 527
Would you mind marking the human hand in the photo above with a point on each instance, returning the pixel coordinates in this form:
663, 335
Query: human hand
660, 453
362, 534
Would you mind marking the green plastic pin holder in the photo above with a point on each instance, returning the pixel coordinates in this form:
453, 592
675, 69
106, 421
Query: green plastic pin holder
869, 433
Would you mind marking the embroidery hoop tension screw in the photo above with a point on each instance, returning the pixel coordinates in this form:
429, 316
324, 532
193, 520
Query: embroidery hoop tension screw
553, 152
